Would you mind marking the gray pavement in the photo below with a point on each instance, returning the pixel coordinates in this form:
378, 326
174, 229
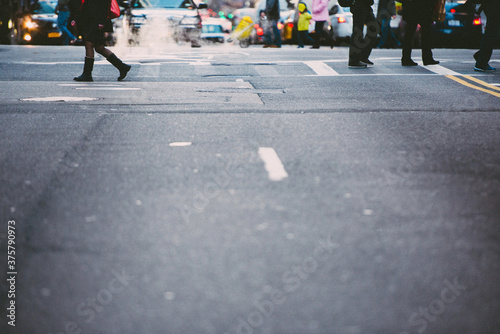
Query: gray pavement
151, 207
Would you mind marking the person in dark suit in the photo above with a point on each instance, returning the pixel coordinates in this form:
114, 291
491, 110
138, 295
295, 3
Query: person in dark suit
385, 11
63, 13
361, 46
491, 9
418, 12
273, 16
93, 22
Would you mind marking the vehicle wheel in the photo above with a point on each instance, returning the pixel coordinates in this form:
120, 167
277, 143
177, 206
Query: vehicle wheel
245, 43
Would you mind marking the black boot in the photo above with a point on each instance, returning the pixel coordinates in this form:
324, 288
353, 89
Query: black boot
406, 59
427, 57
87, 70
123, 68
408, 62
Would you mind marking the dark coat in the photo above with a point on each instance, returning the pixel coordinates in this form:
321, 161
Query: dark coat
386, 9
273, 9
92, 14
419, 10
362, 3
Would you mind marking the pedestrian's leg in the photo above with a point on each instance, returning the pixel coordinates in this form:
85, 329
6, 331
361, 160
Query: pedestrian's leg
327, 37
114, 60
267, 35
62, 24
492, 30
72, 37
397, 43
277, 35
100, 49
308, 38
384, 33
318, 28
371, 37
88, 65
357, 43
89, 49
427, 57
300, 40
409, 32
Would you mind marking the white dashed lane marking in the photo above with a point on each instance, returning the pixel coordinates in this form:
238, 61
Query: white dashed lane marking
180, 144
272, 163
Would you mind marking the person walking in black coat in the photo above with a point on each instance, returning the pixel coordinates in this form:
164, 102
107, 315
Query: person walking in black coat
491, 9
418, 12
273, 16
63, 13
93, 23
361, 46
385, 11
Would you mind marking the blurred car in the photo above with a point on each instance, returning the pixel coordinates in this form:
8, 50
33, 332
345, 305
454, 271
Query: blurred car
461, 28
41, 26
214, 30
156, 20
341, 21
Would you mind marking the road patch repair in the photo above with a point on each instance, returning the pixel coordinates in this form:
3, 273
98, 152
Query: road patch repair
60, 99
140, 93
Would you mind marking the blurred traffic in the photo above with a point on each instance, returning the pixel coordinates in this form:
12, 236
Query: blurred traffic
157, 22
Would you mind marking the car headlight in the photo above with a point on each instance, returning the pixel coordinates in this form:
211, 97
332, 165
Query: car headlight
137, 20
193, 20
30, 24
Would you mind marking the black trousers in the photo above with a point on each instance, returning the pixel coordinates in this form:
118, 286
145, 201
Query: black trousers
415, 14
491, 32
425, 28
320, 33
361, 46
303, 36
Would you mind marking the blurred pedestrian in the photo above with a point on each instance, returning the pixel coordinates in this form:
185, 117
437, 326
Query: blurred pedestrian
92, 24
361, 46
418, 12
385, 11
303, 25
74, 9
63, 12
263, 23
320, 16
273, 16
491, 9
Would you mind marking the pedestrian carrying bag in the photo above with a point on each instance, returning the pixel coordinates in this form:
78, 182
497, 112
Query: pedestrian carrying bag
439, 13
114, 10
346, 3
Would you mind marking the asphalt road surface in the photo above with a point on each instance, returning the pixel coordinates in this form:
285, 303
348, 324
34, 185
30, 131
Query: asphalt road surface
225, 190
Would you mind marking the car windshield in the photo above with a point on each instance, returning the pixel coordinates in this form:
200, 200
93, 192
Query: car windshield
283, 5
211, 28
162, 4
44, 7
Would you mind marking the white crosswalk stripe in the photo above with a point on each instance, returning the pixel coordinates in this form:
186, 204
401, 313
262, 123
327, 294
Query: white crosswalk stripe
321, 68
